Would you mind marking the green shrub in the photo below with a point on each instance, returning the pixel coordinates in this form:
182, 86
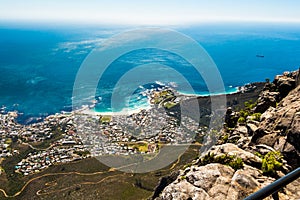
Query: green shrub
224, 139
248, 111
259, 155
225, 159
236, 163
256, 116
271, 162
241, 120
244, 113
208, 158
249, 104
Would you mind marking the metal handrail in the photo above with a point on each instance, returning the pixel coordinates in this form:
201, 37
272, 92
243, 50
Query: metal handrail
275, 186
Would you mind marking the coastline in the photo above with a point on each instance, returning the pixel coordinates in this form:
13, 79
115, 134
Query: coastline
129, 111
234, 99
125, 111
207, 94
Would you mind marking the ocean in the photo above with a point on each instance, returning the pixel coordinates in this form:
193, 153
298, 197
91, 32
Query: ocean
38, 65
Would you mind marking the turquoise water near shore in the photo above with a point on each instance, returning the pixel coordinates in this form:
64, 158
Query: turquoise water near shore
38, 65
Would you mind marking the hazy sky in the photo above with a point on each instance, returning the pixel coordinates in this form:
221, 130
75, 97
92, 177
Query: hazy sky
149, 11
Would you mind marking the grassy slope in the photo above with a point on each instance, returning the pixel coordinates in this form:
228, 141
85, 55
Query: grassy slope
103, 185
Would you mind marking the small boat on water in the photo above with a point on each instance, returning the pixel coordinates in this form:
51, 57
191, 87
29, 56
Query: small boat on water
260, 56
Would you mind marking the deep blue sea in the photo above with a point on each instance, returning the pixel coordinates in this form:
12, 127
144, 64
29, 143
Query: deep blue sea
38, 65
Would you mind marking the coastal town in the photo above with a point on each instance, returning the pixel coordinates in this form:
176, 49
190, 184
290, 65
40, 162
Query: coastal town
51, 141
141, 132
72, 136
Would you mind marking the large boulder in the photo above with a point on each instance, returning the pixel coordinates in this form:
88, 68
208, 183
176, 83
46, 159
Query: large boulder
265, 100
285, 117
216, 181
286, 82
232, 149
274, 92
285, 85
251, 128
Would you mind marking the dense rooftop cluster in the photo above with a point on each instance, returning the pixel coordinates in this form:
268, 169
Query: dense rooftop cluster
67, 137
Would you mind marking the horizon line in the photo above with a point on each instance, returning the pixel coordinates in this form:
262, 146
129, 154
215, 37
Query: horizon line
45, 23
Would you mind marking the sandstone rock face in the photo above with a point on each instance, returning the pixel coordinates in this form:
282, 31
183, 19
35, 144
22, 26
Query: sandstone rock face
293, 133
266, 99
232, 149
274, 92
213, 181
286, 82
164, 181
217, 181
280, 127
251, 128
285, 85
